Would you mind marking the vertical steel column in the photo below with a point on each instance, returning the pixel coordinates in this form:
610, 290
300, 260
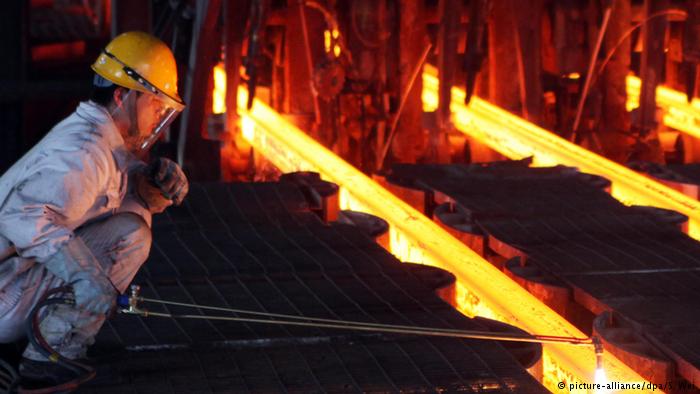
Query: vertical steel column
410, 142
300, 101
615, 118
234, 29
235, 152
201, 160
653, 59
502, 60
526, 17
450, 15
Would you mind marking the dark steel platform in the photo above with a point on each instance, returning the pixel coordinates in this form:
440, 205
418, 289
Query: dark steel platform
634, 261
688, 173
258, 247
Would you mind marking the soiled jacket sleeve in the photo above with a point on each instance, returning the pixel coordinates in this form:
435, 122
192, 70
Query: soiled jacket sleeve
132, 203
42, 210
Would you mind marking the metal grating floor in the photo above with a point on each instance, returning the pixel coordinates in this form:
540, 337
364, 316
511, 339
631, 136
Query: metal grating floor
687, 173
257, 247
627, 259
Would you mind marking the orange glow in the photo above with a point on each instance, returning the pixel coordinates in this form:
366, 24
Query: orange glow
573, 75
218, 102
330, 41
517, 138
481, 289
327, 40
58, 52
678, 113
248, 128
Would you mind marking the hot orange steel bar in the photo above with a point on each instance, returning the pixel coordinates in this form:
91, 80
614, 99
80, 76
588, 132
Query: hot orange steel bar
517, 138
678, 113
482, 289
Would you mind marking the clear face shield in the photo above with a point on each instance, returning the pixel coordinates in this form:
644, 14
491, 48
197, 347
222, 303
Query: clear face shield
162, 125
154, 115
154, 111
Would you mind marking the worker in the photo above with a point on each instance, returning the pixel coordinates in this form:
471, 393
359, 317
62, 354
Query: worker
76, 209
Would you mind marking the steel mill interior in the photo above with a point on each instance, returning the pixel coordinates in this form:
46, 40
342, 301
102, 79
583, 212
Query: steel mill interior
385, 196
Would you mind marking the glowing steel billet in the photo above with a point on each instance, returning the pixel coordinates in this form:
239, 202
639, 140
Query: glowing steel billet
481, 289
517, 138
677, 112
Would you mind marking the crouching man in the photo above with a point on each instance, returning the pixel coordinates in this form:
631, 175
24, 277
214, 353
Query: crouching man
76, 209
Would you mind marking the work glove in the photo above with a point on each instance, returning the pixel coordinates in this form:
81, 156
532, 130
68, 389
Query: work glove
76, 265
169, 178
149, 193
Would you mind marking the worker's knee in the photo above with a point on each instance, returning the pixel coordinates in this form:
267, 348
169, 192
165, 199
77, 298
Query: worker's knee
121, 243
133, 232
116, 235
133, 241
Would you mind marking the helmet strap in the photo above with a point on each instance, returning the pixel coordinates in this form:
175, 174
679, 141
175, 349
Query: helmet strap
134, 115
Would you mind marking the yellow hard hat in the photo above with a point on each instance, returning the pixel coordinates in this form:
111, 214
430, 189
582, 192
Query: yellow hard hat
140, 61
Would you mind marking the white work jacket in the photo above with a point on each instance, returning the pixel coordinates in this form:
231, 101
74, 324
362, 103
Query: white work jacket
77, 173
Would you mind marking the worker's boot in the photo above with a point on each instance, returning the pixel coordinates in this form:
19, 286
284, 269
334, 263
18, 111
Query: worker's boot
46, 374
